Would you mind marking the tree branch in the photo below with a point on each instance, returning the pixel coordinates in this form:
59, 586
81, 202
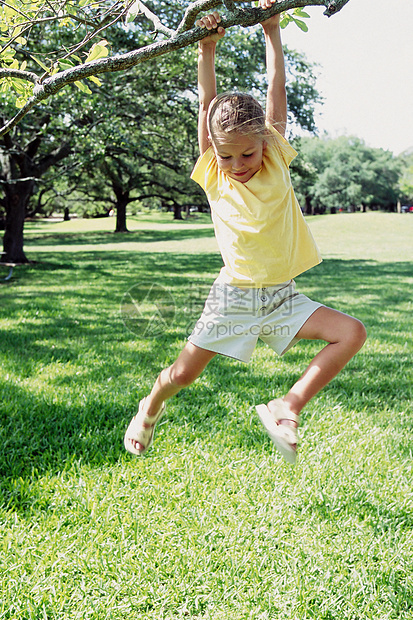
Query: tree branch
159, 27
29, 76
334, 6
185, 35
192, 12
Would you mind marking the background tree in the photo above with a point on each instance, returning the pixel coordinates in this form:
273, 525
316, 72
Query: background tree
33, 147
406, 177
150, 133
142, 139
31, 151
347, 174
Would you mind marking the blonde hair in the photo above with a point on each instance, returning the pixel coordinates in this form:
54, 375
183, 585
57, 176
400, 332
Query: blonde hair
235, 112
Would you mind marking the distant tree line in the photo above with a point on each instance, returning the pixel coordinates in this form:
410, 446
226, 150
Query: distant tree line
344, 174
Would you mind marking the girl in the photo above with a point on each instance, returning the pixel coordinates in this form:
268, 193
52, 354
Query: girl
264, 241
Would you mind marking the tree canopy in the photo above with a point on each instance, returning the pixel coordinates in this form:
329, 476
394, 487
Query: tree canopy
89, 54
345, 174
125, 139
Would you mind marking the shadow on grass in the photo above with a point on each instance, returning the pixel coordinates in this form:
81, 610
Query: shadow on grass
72, 374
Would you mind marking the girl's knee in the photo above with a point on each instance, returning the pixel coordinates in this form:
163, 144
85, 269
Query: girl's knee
189, 365
357, 334
181, 375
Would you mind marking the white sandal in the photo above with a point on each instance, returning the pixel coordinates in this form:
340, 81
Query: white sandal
283, 436
138, 432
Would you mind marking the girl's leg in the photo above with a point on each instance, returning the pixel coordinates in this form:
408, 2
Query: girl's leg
345, 336
187, 367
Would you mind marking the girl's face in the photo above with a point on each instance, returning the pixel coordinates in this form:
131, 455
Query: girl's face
240, 156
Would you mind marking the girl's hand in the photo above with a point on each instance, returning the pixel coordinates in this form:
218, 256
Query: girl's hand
211, 22
272, 21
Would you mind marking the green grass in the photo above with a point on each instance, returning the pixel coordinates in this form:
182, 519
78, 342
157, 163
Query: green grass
211, 524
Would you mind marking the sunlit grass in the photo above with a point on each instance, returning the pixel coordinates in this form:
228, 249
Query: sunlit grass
370, 236
211, 524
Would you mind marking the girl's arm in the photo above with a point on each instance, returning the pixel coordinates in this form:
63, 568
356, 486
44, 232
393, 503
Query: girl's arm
276, 108
207, 89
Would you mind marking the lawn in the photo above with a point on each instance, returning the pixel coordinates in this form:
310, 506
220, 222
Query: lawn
211, 524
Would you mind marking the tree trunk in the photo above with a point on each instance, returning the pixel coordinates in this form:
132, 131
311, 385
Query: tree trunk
308, 208
121, 204
178, 212
16, 199
19, 172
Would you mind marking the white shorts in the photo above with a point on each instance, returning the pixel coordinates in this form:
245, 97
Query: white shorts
233, 319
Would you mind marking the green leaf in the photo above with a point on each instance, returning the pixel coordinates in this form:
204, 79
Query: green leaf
95, 80
285, 20
70, 9
8, 55
302, 25
65, 64
98, 50
83, 87
300, 13
20, 102
133, 12
41, 64
19, 87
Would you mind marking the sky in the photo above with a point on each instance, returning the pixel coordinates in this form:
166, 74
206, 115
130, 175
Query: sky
365, 58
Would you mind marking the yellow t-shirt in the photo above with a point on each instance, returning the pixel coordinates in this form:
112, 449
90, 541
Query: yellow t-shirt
262, 235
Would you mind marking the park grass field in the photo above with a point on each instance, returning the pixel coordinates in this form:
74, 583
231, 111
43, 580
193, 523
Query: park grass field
211, 524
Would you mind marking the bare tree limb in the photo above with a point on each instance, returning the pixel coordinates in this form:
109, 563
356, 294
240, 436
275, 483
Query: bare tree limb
159, 27
18, 73
185, 35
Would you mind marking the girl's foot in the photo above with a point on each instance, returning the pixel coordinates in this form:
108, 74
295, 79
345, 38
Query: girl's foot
281, 425
139, 435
